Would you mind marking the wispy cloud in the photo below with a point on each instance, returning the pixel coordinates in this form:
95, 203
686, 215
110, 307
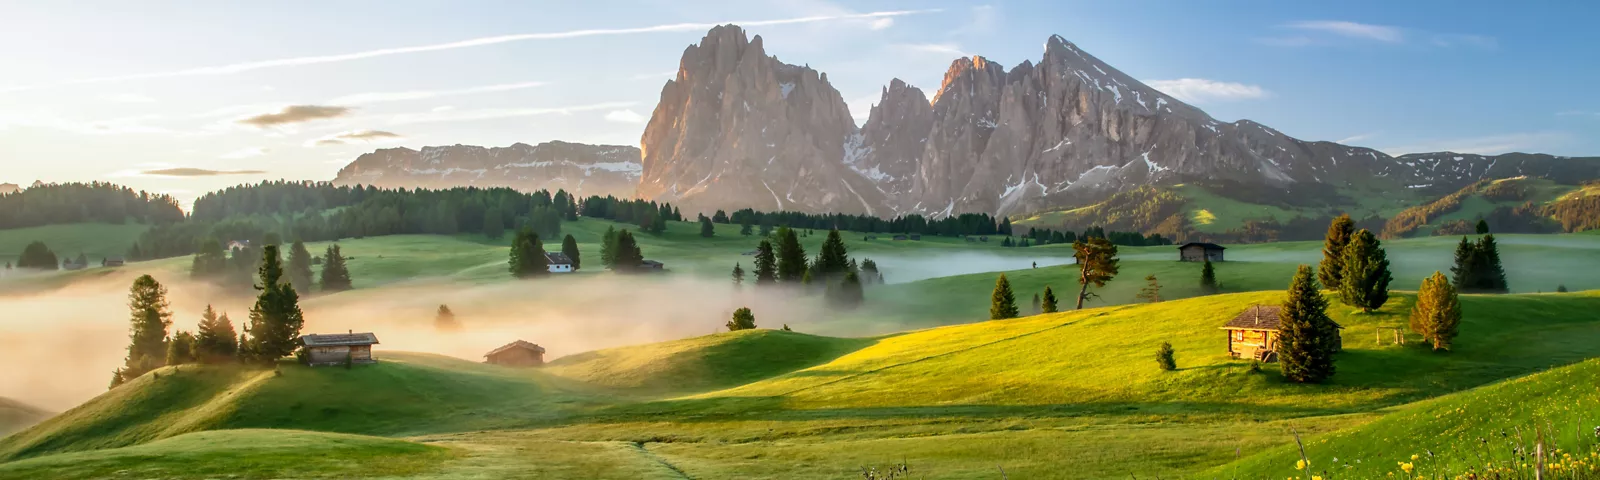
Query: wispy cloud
1382, 33
197, 172
625, 116
295, 114
1488, 144
354, 136
376, 97
871, 18
246, 152
496, 113
1200, 90
945, 49
1355, 138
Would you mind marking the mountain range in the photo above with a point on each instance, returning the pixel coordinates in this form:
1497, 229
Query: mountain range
738, 128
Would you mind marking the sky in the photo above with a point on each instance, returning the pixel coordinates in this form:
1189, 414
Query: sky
186, 97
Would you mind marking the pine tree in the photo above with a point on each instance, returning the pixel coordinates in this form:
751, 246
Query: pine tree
1097, 264
1151, 293
738, 275
834, 259
1482, 227
869, 272
1002, 304
707, 230
527, 256
766, 264
1562, 288
1048, 303
1366, 273
1038, 306
216, 341
181, 350
300, 268
445, 319
608, 248
569, 247
629, 256
1305, 349
150, 317
847, 292
1437, 314
37, 256
1208, 278
276, 319
791, 256
745, 227
1492, 276
210, 261
335, 276
1332, 266
742, 320
1465, 270
1164, 357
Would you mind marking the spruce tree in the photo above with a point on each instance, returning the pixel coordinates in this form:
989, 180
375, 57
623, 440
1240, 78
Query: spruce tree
527, 255
37, 256
216, 341
181, 349
1305, 349
444, 319
834, 258
742, 320
276, 319
1164, 357
1002, 304
1465, 270
766, 264
870, 273
608, 248
1332, 266
744, 227
1437, 314
738, 275
1048, 303
149, 318
569, 247
791, 256
846, 293
629, 256
335, 276
1492, 276
1482, 227
1208, 278
1097, 264
300, 268
707, 230
1366, 273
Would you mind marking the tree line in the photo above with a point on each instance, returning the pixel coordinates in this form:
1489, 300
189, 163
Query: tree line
97, 202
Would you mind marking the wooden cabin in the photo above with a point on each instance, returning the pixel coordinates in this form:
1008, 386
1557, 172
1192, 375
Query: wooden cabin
336, 348
516, 354
651, 266
113, 261
1200, 252
1254, 333
558, 262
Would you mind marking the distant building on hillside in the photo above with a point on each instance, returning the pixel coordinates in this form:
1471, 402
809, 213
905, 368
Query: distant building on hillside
1254, 333
898, 238
1200, 252
238, 245
71, 264
651, 266
516, 354
558, 262
112, 261
337, 348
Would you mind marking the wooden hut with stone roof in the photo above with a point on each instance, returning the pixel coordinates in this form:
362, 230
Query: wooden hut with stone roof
338, 348
1254, 333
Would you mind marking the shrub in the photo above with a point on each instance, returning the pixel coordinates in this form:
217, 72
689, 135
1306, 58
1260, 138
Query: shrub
1164, 357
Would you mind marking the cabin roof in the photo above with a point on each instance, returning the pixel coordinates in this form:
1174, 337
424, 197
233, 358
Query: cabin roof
337, 339
557, 258
1257, 317
1205, 245
516, 344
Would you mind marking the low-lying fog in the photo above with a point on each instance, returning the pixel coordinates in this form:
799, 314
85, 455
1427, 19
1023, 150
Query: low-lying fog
60, 347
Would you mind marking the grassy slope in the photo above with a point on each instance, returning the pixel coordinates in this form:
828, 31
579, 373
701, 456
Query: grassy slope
242, 454
1209, 212
703, 363
1464, 430
16, 415
96, 240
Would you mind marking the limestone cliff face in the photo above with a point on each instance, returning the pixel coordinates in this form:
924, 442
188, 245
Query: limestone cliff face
738, 128
581, 169
894, 138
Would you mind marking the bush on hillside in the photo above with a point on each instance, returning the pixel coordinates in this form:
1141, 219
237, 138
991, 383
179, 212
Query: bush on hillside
743, 319
37, 256
1164, 357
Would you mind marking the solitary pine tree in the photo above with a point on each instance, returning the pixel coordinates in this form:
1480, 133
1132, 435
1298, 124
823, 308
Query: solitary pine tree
1164, 357
1482, 227
1332, 266
569, 247
1437, 314
527, 255
834, 259
216, 341
1097, 264
1305, 350
300, 268
181, 349
608, 248
1208, 278
1048, 303
738, 275
706, 228
335, 276
742, 320
629, 256
1151, 293
276, 319
766, 264
1002, 304
791, 256
445, 319
149, 319
1366, 273
1492, 276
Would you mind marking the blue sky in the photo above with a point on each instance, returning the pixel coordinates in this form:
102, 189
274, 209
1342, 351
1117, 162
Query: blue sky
115, 90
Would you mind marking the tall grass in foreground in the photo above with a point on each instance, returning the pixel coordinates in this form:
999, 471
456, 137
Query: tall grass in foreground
1543, 452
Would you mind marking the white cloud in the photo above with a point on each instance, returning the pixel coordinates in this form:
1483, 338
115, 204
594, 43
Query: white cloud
1382, 33
469, 43
1488, 145
355, 136
1200, 90
495, 113
944, 49
376, 97
1354, 138
881, 23
625, 116
246, 152
127, 98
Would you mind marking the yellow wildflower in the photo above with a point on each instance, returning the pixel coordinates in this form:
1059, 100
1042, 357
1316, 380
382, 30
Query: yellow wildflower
1300, 464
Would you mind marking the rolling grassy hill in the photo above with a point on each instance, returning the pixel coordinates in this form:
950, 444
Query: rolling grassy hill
16, 415
95, 240
242, 454
703, 363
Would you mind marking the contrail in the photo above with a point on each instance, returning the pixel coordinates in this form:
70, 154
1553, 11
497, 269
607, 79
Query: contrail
476, 42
